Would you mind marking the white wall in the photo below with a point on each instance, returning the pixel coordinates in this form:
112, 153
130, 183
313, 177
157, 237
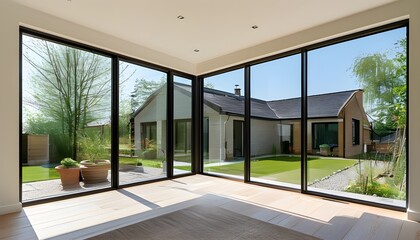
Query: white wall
182, 106
216, 133
155, 111
12, 15
264, 135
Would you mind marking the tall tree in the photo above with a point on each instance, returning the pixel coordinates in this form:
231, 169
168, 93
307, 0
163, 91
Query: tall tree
143, 89
67, 85
383, 79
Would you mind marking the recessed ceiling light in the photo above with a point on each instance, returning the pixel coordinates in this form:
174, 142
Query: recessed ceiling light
180, 17
254, 27
196, 50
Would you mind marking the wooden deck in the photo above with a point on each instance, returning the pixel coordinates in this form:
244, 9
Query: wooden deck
87, 216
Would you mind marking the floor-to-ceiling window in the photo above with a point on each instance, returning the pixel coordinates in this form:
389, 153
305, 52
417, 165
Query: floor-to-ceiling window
355, 116
355, 122
275, 122
182, 125
68, 144
357, 95
142, 123
66, 119
223, 113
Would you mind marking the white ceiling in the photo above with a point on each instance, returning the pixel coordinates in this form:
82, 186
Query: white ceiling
215, 27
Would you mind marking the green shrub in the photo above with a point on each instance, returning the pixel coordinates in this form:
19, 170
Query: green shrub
377, 189
69, 163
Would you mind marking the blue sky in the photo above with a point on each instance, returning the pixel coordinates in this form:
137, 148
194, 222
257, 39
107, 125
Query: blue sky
329, 69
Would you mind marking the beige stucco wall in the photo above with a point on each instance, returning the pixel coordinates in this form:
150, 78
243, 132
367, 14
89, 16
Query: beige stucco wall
13, 15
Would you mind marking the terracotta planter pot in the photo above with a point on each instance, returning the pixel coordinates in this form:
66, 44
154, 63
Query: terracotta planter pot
69, 176
95, 172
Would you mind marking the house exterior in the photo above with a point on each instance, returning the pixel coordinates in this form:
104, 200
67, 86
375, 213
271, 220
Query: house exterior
337, 119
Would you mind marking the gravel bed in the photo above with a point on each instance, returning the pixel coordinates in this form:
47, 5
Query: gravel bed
340, 180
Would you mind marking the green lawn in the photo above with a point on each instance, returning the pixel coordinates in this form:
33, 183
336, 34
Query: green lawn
284, 168
38, 173
146, 162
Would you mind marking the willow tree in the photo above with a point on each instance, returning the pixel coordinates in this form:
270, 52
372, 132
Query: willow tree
384, 80
65, 85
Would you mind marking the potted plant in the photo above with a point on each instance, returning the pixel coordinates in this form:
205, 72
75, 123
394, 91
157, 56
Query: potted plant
69, 171
94, 169
324, 150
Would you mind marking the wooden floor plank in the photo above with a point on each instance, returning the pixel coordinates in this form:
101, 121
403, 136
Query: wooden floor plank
366, 227
339, 225
89, 215
409, 230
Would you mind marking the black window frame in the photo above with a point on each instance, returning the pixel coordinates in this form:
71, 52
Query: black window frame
197, 116
303, 51
316, 146
115, 59
355, 131
187, 144
146, 132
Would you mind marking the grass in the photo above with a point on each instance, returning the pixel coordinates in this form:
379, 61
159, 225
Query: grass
38, 173
284, 168
157, 163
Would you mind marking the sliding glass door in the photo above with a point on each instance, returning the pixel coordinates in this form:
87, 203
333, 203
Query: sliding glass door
223, 117
275, 122
142, 123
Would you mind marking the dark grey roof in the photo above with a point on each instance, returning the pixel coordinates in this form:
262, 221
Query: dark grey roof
319, 106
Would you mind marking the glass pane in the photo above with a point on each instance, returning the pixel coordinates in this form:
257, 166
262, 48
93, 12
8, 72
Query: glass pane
223, 110
182, 125
66, 113
142, 124
275, 122
357, 118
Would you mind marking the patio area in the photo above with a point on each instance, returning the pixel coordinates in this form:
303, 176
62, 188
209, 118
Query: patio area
53, 188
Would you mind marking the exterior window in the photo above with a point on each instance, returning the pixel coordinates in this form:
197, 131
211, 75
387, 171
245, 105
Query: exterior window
325, 133
148, 134
183, 136
355, 129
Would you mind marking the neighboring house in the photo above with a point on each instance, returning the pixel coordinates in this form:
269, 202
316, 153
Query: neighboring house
337, 119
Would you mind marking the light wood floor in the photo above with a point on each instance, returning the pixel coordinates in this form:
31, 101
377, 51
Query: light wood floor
87, 216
